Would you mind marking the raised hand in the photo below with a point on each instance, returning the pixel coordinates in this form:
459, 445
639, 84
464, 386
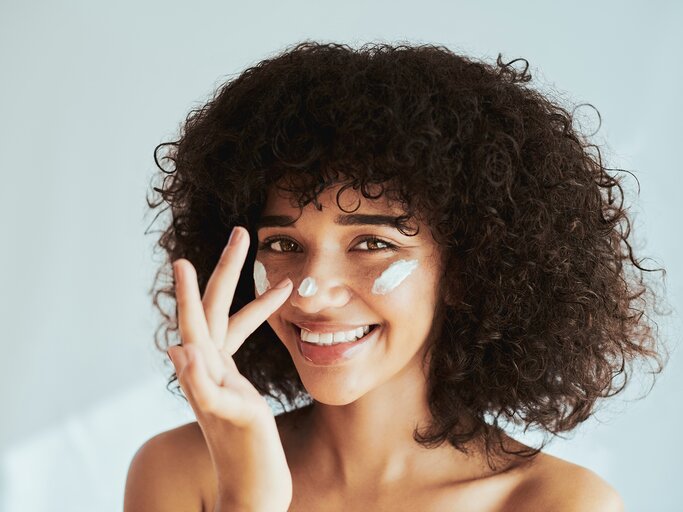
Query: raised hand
237, 423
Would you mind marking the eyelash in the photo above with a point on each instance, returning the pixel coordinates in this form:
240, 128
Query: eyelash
265, 245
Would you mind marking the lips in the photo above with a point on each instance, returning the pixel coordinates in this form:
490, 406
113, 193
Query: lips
328, 355
326, 327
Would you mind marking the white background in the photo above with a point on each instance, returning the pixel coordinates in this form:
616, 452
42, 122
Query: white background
88, 88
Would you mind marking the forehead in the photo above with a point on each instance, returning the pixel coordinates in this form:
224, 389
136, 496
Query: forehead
333, 199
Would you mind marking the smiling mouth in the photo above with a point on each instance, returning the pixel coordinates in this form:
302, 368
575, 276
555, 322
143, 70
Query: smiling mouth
333, 354
328, 341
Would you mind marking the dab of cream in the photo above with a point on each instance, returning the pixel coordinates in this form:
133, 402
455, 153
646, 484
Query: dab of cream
393, 276
260, 278
308, 287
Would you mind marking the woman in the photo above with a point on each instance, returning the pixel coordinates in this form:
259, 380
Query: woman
423, 250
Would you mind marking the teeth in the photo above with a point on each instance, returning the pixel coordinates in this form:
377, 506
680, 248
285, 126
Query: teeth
330, 338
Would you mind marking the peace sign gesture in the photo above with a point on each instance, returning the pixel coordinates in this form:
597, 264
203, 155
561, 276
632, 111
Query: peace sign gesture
237, 423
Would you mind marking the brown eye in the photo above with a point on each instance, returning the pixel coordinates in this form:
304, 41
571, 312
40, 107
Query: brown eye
285, 245
376, 244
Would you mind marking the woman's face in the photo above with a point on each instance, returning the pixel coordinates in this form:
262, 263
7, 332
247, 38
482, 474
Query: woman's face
349, 271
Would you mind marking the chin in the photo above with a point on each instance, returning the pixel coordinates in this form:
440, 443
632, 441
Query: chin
332, 386
332, 396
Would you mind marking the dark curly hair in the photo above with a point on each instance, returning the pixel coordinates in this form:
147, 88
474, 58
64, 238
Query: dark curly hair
543, 308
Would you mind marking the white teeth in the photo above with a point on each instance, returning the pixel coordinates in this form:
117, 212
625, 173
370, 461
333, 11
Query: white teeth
330, 338
310, 336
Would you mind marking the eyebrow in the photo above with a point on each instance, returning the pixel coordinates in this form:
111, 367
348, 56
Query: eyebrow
353, 219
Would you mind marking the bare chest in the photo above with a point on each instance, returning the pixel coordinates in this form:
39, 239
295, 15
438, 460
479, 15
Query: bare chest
490, 496
473, 497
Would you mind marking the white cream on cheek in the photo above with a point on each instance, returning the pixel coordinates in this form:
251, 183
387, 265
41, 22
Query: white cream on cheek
393, 276
308, 287
260, 278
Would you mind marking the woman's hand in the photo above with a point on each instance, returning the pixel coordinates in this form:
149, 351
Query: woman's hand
237, 423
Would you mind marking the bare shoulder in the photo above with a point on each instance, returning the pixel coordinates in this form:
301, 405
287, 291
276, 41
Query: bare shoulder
170, 471
555, 484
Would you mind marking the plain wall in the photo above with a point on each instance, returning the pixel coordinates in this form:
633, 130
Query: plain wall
87, 90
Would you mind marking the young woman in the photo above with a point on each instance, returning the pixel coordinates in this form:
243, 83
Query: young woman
422, 249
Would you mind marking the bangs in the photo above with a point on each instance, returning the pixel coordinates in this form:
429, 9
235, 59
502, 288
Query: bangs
304, 187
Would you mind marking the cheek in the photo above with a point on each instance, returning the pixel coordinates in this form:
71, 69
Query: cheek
267, 273
261, 281
365, 276
393, 276
407, 288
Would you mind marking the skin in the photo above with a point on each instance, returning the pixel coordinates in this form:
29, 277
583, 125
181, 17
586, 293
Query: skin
353, 448
363, 433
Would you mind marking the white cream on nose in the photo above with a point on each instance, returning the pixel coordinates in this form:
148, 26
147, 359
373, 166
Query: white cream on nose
308, 287
393, 276
260, 278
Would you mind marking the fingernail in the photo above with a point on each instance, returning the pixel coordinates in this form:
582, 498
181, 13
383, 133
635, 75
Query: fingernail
284, 283
235, 235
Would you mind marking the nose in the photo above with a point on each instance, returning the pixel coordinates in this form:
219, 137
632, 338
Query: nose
324, 287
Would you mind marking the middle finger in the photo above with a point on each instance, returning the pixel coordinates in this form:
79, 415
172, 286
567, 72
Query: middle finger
220, 289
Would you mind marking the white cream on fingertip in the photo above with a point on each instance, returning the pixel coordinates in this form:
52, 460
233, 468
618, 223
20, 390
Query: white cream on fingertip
393, 276
308, 287
260, 278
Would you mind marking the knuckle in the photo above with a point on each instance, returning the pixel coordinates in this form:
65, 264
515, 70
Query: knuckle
206, 403
227, 260
182, 379
182, 334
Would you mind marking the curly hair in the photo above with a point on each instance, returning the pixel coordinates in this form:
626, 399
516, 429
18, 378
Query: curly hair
543, 304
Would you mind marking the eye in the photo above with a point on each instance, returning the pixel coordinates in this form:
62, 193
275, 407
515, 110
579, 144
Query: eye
286, 244
377, 243
282, 244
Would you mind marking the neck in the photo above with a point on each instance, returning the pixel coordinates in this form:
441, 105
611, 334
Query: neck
369, 442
